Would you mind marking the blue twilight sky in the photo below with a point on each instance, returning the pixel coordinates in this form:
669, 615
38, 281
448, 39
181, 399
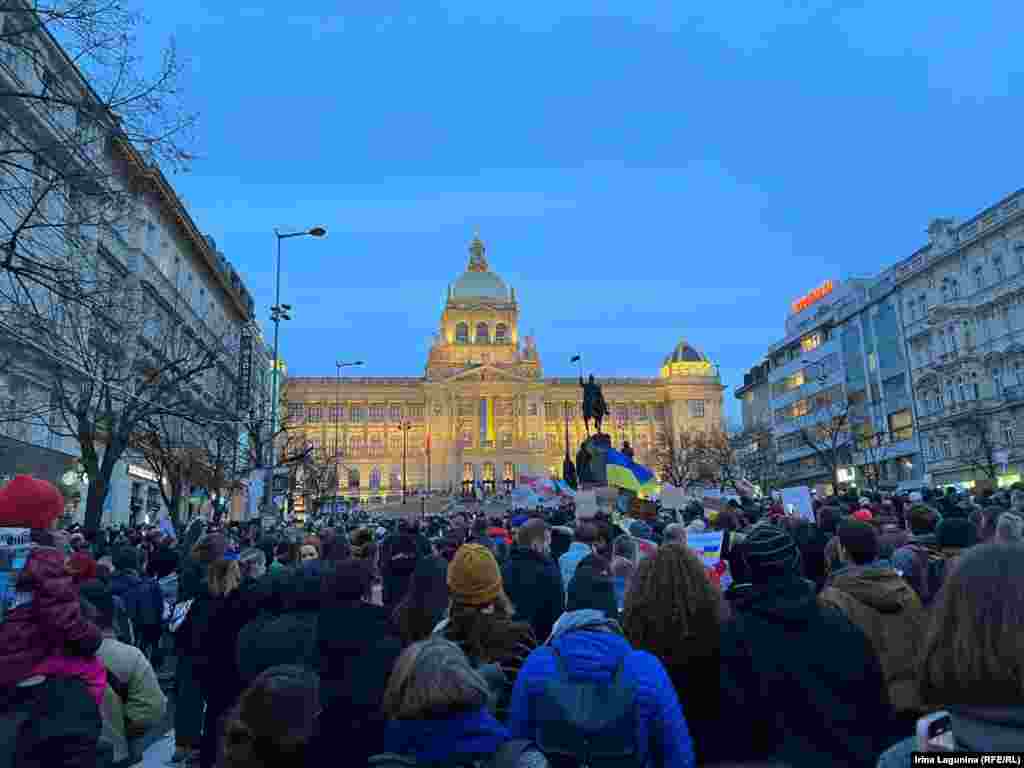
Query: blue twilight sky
641, 171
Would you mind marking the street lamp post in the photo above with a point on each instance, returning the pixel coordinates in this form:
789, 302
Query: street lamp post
405, 426
337, 424
279, 312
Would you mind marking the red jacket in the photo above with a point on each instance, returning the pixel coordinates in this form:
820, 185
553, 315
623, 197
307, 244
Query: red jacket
50, 625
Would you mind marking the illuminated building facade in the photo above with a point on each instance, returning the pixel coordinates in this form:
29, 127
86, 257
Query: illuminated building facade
483, 413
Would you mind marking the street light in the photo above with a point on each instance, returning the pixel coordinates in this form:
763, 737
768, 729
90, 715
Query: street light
279, 312
405, 426
337, 421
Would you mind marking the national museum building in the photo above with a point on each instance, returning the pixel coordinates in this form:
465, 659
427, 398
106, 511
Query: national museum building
483, 413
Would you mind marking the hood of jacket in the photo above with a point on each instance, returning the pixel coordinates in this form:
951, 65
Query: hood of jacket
791, 601
877, 586
438, 741
988, 729
590, 644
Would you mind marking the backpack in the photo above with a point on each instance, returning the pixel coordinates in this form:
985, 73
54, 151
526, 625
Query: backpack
930, 565
507, 756
583, 723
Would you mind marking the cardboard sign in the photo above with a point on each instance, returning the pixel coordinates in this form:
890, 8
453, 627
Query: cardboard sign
15, 547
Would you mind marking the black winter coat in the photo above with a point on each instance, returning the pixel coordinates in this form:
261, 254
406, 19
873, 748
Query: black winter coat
800, 683
358, 649
55, 723
533, 583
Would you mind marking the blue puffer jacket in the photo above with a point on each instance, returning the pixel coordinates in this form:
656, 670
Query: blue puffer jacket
595, 655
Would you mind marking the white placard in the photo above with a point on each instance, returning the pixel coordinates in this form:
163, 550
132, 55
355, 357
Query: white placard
800, 499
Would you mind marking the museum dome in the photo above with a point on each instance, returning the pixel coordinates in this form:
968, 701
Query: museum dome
684, 353
685, 360
478, 282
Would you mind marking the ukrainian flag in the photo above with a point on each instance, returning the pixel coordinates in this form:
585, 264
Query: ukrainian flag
623, 472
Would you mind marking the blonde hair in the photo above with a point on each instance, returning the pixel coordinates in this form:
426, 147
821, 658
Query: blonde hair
223, 577
433, 679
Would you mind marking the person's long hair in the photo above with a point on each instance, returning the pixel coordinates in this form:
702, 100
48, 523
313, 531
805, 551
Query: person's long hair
275, 720
972, 654
673, 611
487, 637
424, 603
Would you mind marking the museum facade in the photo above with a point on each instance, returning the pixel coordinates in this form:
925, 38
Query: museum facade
483, 413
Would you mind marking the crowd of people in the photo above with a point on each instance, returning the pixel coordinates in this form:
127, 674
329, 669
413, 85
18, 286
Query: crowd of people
525, 640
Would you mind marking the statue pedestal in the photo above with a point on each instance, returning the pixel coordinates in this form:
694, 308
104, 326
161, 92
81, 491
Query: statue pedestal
591, 461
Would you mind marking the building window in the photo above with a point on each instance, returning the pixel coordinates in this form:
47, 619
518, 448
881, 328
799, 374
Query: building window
901, 425
997, 381
696, 408
813, 341
376, 445
482, 334
509, 472
569, 410
659, 413
357, 414
639, 412
954, 288
506, 439
395, 480
396, 413
621, 412
467, 439
550, 411
377, 413
375, 479
1018, 372
313, 414
962, 387
1000, 268
979, 278
1007, 432
396, 444
947, 448
534, 441
416, 412
462, 333
295, 411
531, 409
488, 471
550, 442
353, 477
975, 387
337, 413
500, 333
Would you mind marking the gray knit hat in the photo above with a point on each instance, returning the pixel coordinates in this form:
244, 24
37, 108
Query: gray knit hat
770, 553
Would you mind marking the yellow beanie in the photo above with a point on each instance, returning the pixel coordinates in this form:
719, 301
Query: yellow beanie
473, 576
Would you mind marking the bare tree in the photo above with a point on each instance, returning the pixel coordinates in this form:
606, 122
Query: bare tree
875, 448
758, 458
84, 108
720, 455
827, 433
978, 446
684, 460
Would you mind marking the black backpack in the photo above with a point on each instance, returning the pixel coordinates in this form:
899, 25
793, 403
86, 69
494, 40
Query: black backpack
583, 723
507, 756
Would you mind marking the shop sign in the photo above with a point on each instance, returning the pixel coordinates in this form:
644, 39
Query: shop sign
812, 297
134, 470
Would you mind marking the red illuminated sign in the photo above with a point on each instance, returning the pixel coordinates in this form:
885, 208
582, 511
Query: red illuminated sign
814, 296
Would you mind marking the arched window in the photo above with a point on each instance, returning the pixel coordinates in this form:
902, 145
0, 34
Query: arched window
462, 333
375, 478
353, 477
482, 334
355, 445
467, 473
488, 470
954, 288
975, 388
500, 333
997, 381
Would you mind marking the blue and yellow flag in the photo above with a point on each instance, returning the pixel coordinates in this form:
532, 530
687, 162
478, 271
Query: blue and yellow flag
623, 472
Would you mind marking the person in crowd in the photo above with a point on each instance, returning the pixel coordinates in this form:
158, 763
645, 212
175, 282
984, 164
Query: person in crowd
480, 617
82, 567
425, 602
436, 705
593, 588
357, 648
675, 533
674, 612
252, 565
133, 702
284, 630
780, 639
625, 556
583, 545
309, 549
275, 722
143, 600
1009, 529
396, 571
286, 555
164, 559
587, 651
532, 579
52, 682
913, 558
885, 608
972, 661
